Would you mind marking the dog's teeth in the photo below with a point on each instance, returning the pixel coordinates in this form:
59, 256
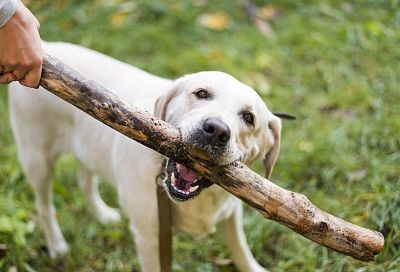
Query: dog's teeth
194, 188
173, 183
173, 179
194, 184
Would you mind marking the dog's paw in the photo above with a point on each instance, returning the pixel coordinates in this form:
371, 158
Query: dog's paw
109, 215
58, 250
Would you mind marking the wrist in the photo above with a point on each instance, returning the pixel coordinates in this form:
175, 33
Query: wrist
8, 9
23, 17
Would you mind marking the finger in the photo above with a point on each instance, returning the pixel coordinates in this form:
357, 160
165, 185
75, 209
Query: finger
8, 69
20, 74
7, 78
32, 78
37, 23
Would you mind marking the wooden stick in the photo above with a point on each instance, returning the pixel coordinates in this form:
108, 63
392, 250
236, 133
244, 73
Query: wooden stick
291, 209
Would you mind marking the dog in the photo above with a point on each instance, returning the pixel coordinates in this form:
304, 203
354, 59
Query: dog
212, 110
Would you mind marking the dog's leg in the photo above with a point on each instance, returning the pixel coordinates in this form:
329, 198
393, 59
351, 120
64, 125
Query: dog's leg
142, 212
232, 231
38, 172
89, 184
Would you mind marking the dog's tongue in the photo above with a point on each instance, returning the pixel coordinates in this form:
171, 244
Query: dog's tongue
187, 174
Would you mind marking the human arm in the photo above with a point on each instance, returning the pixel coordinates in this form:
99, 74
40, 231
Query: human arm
21, 54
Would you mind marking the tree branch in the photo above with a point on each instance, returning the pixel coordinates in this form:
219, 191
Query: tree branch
291, 209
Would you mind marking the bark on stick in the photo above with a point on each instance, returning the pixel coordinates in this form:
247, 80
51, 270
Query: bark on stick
291, 209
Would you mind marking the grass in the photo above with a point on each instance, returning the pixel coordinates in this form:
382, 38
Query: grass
336, 65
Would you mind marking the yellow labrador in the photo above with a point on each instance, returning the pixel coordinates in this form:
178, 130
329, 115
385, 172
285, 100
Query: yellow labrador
213, 110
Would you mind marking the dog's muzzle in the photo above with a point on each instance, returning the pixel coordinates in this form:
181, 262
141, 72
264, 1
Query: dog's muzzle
182, 183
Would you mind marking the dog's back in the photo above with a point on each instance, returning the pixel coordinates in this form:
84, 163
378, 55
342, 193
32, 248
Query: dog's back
41, 121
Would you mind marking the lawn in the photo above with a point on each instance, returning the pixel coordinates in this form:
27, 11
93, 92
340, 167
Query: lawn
334, 64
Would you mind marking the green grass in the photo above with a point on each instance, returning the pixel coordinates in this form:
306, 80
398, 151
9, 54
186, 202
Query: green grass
336, 65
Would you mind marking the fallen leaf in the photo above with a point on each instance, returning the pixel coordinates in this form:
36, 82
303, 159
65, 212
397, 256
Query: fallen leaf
347, 7
32, 253
127, 7
215, 21
213, 55
199, 3
30, 226
268, 12
264, 27
222, 261
261, 17
117, 19
357, 174
306, 146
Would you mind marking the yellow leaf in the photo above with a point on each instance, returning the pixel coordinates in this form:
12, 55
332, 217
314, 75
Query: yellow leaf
268, 12
66, 24
214, 21
213, 55
117, 19
306, 146
221, 261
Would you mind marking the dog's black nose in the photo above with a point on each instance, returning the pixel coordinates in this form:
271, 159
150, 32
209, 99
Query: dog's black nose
216, 131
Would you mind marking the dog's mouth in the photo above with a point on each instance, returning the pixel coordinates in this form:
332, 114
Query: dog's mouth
182, 183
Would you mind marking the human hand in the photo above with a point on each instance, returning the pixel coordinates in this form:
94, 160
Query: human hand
21, 55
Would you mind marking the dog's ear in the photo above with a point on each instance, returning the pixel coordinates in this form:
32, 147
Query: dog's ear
272, 155
284, 115
161, 106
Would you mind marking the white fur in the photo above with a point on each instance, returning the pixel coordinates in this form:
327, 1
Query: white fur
45, 127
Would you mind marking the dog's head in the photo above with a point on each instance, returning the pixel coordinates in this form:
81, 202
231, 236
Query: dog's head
222, 116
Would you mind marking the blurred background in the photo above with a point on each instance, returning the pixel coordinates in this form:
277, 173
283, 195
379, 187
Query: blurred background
334, 64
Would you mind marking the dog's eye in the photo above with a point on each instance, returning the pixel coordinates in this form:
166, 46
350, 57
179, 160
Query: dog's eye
202, 94
248, 117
